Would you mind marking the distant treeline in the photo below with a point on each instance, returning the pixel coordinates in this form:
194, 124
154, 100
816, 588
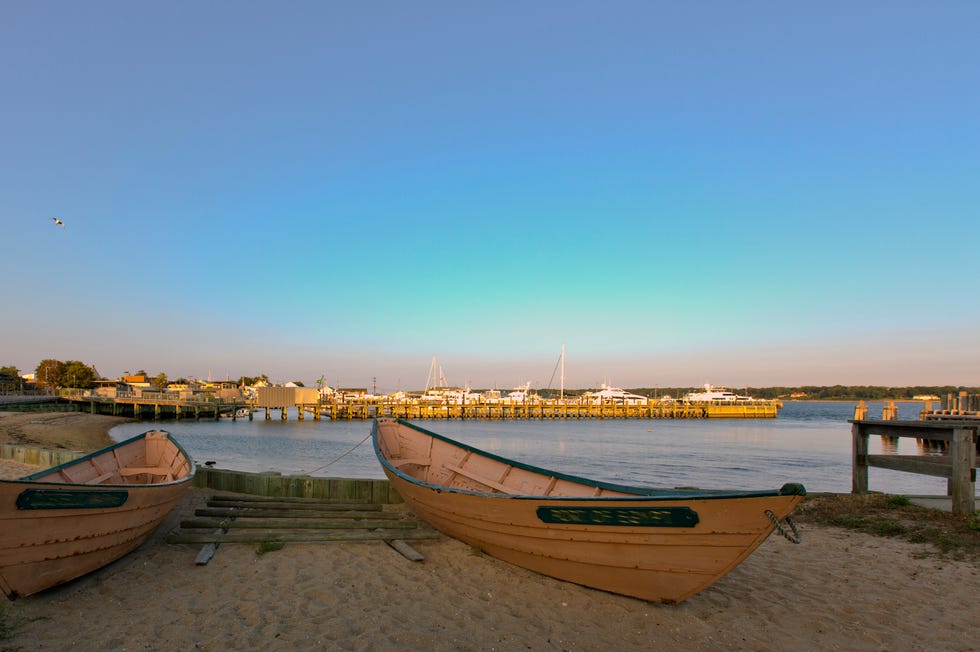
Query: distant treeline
822, 393
803, 393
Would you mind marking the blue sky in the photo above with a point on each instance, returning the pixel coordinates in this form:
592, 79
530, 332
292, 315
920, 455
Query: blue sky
755, 193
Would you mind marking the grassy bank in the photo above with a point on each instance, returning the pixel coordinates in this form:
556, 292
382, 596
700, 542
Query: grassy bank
957, 537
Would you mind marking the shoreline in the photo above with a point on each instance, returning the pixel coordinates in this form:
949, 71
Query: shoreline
837, 590
73, 431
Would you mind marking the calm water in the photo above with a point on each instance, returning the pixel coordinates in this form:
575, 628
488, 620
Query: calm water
809, 442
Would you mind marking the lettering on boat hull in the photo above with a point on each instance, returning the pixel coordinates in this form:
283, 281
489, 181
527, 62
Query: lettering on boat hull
620, 516
70, 498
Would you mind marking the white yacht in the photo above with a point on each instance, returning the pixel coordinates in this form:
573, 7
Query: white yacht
717, 395
614, 395
522, 394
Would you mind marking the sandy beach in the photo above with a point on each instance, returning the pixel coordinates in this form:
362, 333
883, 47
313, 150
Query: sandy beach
838, 590
76, 431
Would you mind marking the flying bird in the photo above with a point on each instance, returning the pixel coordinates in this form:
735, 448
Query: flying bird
57, 221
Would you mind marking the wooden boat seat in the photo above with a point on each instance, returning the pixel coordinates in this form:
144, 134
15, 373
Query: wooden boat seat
152, 470
101, 478
479, 478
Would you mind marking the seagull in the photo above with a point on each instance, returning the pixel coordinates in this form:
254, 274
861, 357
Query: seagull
57, 221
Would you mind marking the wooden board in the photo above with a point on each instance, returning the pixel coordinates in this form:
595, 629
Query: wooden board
220, 512
300, 524
305, 537
260, 519
406, 551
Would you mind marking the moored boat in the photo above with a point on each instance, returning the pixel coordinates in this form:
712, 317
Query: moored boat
713, 394
661, 545
66, 521
616, 395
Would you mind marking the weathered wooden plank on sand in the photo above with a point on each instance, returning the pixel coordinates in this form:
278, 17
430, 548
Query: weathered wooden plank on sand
247, 519
301, 537
300, 524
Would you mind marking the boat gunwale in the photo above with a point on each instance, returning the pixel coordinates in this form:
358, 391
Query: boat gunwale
644, 494
31, 479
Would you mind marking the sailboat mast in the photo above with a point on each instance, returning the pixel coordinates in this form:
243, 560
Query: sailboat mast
432, 377
563, 372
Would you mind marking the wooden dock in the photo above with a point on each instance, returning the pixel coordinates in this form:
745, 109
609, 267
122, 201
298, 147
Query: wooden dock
159, 408
155, 408
543, 409
959, 466
958, 407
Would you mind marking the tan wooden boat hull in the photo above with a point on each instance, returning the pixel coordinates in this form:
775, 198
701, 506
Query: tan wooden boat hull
60, 524
660, 546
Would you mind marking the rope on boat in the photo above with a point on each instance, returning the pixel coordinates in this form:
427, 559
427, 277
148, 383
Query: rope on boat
792, 538
334, 461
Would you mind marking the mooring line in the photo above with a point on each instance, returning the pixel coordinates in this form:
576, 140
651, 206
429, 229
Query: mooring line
341, 457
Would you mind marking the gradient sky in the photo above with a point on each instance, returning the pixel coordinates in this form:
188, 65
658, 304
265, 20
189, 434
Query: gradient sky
748, 194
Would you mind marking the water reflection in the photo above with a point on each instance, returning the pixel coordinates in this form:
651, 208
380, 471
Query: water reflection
933, 446
889, 445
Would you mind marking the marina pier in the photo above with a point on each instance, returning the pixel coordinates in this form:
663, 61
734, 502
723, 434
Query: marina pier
153, 406
306, 403
280, 403
548, 409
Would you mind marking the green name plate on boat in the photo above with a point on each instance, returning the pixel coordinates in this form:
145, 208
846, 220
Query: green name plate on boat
620, 516
70, 498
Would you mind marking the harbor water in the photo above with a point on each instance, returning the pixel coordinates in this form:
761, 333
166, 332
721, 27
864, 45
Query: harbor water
809, 443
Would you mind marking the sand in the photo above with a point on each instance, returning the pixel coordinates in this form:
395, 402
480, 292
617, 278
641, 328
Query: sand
838, 590
74, 431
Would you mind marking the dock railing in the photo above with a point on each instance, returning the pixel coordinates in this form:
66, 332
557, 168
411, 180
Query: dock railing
958, 467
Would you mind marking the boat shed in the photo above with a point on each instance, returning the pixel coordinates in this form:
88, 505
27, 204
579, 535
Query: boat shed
277, 397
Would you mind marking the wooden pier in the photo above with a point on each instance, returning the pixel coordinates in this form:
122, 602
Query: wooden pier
156, 408
962, 406
543, 409
958, 467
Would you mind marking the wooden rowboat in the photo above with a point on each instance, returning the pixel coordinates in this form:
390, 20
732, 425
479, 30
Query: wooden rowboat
61, 523
655, 544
